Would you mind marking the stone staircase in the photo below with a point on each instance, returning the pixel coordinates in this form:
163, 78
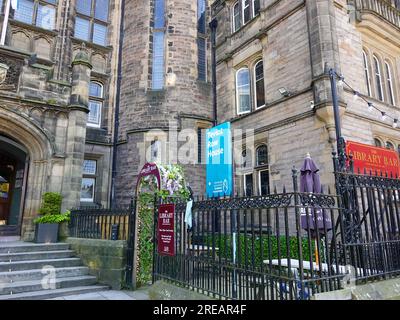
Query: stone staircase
31, 271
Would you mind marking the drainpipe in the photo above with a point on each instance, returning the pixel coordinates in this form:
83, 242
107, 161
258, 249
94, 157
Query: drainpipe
213, 26
117, 106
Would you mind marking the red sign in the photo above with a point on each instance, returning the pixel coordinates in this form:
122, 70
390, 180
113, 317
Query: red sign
149, 169
166, 232
374, 159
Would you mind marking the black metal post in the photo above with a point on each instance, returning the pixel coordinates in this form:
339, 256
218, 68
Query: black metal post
131, 244
213, 26
340, 142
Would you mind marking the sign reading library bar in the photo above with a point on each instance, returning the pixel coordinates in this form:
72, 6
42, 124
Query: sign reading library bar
166, 230
374, 159
219, 160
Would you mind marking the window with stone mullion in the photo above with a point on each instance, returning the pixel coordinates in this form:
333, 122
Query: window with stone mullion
91, 23
41, 13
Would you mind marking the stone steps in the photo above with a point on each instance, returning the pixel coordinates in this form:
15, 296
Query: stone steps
26, 275
15, 247
35, 255
53, 293
30, 271
36, 285
38, 264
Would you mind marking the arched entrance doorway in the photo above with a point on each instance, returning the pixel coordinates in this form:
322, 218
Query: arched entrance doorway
14, 162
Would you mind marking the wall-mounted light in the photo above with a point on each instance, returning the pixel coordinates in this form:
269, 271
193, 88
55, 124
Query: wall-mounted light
283, 91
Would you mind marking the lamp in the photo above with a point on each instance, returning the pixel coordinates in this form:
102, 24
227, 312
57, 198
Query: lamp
283, 91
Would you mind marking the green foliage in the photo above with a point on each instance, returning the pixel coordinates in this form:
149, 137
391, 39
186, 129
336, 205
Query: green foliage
54, 218
253, 251
50, 209
145, 241
51, 203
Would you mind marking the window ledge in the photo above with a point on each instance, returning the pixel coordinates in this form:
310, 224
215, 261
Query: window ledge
33, 27
92, 44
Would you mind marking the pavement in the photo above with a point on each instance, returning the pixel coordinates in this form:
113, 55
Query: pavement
141, 294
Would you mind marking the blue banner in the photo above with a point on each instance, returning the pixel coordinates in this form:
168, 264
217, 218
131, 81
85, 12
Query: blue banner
219, 161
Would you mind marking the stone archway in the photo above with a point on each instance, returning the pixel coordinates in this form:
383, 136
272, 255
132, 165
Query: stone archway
40, 150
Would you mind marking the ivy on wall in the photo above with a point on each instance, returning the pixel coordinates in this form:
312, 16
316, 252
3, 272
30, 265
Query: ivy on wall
172, 184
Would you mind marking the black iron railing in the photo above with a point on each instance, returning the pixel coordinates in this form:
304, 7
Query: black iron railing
388, 9
105, 224
256, 247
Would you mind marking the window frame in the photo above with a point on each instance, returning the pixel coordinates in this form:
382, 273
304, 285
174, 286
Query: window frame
245, 184
257, 165
92, 22
259, 181
89, 176
158, 30
367, 73
100, 101
378, 75
253, 7
234, 29
390, 83
380, 142
243, 9
35, 11
255, 84
237, 92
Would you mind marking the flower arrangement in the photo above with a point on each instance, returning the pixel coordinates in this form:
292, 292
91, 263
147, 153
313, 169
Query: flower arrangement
172, 182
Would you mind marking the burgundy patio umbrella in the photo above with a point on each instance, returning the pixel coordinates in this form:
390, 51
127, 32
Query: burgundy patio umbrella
310, 183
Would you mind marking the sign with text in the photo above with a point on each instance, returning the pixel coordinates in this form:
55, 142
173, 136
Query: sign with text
373, 159
166, 230
219, 161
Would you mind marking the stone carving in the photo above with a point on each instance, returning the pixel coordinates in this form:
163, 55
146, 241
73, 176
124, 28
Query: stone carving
3, 72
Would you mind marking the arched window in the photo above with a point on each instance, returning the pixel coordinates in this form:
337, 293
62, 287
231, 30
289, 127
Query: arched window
246, 13
236, 16
246, 161
262, 155
95, 104
366, 70
378, 79
389, 80
377, 142
243, 91
389, 145
259, 84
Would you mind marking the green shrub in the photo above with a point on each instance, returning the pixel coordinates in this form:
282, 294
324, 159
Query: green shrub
50, 209
51, 203
264, 248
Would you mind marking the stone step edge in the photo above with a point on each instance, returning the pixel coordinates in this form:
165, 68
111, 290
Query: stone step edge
5, 264
34, 253
16, 272
53, 293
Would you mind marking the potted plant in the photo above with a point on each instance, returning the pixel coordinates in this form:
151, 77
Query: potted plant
47, 224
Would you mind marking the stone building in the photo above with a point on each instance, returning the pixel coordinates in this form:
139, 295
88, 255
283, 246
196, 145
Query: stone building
92, 89
165, 89
272, 63
57, 94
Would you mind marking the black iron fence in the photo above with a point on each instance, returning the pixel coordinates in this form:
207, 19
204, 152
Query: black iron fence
370, 223
256, 247
105, 224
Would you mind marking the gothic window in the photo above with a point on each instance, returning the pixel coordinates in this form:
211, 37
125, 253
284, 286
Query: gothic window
236, 17
158, 45
201, 40
40, 13
262, 155
91, 21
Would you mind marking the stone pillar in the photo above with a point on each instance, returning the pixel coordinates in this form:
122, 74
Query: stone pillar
76, 134
324, 54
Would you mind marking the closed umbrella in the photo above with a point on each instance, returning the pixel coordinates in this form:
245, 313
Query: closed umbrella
310, 183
